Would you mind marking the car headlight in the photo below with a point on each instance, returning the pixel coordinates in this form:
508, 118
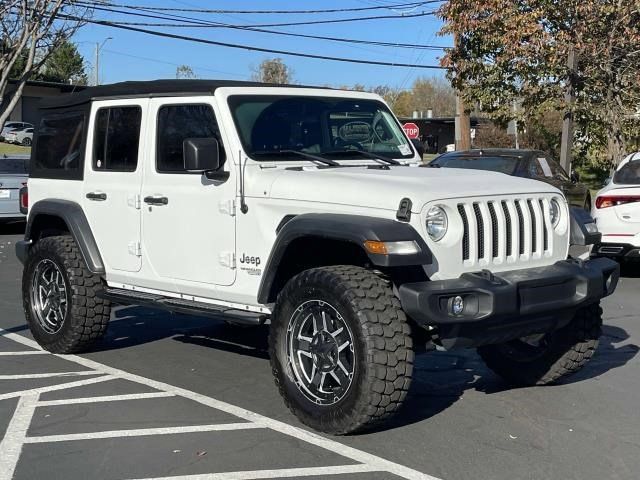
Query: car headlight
554, 212
437, 223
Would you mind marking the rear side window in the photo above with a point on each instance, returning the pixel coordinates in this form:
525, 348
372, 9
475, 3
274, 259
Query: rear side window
60, 146
13, 166
176, 123
116, 139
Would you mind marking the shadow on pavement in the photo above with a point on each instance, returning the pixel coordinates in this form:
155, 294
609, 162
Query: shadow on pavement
440, 378
630, 269
12, 228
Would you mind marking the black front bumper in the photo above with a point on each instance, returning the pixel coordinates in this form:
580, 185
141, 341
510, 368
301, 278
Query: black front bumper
616, 250
499, 308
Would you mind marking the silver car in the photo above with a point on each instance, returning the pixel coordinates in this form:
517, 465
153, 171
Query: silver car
14, 172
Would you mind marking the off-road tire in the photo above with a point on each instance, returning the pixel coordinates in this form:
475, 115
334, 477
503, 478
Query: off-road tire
567, 351
86, 316
382, 348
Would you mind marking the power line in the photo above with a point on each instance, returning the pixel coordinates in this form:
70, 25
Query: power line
286, 12
245, 47
195, 22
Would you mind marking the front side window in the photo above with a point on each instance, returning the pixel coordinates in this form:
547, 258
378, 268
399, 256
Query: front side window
116, 139
177, 123
59, 146
272, 125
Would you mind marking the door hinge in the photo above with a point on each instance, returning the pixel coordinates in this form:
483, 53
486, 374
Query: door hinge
134, 201
135, 248
228, 259
228, 207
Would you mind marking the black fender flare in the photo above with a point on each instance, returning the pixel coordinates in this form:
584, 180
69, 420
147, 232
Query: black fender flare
351, 228
73, 215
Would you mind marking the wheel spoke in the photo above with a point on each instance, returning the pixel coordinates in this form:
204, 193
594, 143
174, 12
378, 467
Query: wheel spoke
315, 324
344, 345
335, 377
337, 332
343, 368
324, 321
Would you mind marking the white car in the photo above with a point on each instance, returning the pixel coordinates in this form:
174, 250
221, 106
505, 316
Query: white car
303, 208
617, 212
20, 137
10, 126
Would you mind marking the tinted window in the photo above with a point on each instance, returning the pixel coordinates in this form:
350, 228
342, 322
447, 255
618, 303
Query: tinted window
176, 123
557, 170
60, 145
117, 135
494, 164
14, 166
629, 174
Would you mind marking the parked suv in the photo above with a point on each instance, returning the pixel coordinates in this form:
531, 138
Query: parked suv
304, 208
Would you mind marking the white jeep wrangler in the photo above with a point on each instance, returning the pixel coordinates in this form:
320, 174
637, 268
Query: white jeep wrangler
309, 209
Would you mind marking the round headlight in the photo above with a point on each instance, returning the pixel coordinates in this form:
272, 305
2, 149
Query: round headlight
437, 223
554, 212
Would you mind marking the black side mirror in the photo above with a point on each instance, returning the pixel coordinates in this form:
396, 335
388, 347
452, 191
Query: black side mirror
575, 177
417, 144
202, 155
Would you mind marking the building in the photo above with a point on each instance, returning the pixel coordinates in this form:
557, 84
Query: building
436, 132
26, 110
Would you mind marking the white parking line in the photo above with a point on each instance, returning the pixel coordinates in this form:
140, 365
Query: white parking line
25, 352
47, 375
372, 462
60, 386
142, 432
282, 473
106, 398
11, 445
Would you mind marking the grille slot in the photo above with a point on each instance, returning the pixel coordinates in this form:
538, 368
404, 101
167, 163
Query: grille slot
480, 223
520, 227
494, 230
545, 232
507, 217
465, 235
534, 228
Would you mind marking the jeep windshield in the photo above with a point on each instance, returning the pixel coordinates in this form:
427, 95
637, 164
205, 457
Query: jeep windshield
274, 127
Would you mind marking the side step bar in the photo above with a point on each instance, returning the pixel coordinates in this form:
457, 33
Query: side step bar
177, 305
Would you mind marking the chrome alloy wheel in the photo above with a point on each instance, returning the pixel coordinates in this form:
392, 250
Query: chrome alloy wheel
49, 296
320, 351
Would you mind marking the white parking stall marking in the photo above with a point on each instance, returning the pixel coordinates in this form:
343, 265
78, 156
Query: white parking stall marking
46, 375
366, 461
26, 352
61, 386
281, 473
106, 398
11, 445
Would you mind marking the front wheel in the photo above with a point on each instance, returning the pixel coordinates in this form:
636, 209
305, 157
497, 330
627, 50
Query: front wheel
341, 349
546, 358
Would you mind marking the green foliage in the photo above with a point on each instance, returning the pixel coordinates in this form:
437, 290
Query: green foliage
64, 65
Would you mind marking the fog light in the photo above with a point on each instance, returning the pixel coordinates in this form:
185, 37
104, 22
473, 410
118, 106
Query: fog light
457, 306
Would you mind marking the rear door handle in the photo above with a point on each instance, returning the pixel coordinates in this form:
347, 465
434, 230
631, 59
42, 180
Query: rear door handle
156, 200
97, 196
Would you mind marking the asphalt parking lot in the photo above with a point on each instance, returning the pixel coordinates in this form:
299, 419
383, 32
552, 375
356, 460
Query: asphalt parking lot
184, 397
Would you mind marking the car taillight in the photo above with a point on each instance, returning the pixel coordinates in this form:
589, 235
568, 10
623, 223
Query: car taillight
607, 201
24, 199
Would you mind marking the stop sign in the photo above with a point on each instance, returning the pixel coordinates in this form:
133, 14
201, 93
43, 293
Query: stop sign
411, 129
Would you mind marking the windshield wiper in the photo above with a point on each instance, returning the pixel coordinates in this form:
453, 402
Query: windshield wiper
364, 153
277, 153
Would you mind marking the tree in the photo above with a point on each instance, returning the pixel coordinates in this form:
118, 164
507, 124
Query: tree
31, 32
433, 94
518, 51
64, 65
185, 72
273, 71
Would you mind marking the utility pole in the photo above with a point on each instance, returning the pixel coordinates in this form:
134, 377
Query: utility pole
566, 143
462, 120
97, 61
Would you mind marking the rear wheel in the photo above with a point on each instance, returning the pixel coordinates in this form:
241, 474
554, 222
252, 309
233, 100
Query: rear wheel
545, 358
26, 141
341, 349
59, 297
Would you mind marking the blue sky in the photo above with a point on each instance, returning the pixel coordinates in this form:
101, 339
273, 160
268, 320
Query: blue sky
136, 56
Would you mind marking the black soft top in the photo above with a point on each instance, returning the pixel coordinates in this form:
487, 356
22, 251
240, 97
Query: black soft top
154, 88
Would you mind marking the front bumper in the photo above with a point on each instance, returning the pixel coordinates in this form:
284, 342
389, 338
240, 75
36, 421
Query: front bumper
617, 251
509, 305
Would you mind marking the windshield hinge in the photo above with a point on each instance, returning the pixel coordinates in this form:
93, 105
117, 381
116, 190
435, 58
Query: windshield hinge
135, 248
227, 259
228, 207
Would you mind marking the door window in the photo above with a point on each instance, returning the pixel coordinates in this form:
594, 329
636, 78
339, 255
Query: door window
177, 123
117, 136
59, 146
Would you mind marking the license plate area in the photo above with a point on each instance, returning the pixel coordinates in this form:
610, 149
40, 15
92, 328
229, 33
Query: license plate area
5, 194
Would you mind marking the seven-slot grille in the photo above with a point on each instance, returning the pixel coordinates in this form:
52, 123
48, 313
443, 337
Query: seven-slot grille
498, 229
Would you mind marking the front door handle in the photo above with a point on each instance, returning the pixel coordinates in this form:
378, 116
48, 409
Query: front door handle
156, 200
97, 196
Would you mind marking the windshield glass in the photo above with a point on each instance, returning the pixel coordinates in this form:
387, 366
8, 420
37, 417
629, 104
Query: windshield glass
629, 174
269, 125
494, 164
13, 166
